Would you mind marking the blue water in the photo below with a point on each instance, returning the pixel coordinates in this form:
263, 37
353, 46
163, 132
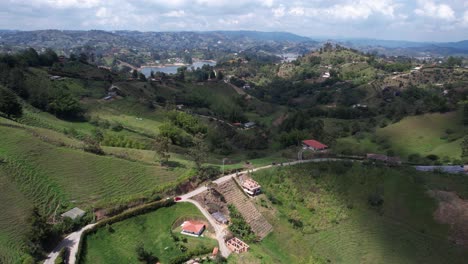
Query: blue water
173, 69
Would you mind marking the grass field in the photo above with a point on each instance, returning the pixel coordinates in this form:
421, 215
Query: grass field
15, 208
152, 230
337, 223
424, 134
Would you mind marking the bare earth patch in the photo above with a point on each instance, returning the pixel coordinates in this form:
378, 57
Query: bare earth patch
453, 211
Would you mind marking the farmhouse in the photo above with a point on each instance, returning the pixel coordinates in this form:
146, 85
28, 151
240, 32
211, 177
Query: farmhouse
74, 213
237, 245
313, 145
193, 228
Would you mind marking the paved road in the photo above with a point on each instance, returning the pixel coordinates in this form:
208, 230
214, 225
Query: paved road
72, 240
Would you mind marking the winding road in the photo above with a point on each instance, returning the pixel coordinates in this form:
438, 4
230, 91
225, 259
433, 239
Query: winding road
72, 240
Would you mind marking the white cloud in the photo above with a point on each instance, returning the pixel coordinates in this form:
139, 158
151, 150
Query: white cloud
279, 11
175, 13
465, 19
439, 11
66, 3
348, 10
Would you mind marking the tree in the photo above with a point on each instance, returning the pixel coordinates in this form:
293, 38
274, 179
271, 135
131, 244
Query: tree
464, 146
64, 105
161, 147
465, 115
141, 77
199, 151
38, 233
92, 145
134, 74
9, 104
144, 255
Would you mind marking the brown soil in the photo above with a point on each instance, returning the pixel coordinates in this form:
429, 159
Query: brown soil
453, 211
213, 201
278, 121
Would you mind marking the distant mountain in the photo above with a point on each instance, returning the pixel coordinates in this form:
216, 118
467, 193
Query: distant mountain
211, 43
265, 36
407, 48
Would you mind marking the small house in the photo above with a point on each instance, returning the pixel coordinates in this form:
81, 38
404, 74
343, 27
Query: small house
249, 125
237, 245
74, 213
326, 75
219, 217
193, 228
313, 145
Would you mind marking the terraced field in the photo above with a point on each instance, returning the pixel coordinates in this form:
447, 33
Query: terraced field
36, 171
252, 216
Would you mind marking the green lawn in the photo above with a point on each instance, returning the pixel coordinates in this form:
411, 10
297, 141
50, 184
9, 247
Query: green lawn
338, 225
152, 230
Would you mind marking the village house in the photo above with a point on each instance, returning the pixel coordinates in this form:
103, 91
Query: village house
192, 228
237, 245
326, 75
313, 145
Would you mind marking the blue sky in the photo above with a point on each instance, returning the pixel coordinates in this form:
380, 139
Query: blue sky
417, 20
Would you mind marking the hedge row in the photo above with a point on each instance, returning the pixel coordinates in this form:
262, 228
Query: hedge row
125, 215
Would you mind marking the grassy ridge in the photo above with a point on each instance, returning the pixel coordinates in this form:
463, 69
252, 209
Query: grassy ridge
338, 224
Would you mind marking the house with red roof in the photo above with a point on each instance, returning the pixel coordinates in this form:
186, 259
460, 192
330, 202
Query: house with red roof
193, 228
314, 145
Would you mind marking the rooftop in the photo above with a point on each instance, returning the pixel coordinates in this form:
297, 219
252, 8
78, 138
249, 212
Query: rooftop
250, 184
192, 227
74, 213
314, 144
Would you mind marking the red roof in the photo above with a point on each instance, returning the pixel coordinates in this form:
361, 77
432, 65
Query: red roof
192, 227
314, 144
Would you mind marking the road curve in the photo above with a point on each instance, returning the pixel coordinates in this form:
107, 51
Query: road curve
72, 240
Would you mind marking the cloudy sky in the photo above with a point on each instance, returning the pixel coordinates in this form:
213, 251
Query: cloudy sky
428, 20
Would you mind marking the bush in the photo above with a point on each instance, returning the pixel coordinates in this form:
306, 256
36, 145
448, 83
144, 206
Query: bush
375, 200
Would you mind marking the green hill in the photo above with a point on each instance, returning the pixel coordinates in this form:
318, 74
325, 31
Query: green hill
353, 213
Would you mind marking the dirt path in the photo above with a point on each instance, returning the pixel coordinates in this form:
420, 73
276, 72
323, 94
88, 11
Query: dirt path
237, 89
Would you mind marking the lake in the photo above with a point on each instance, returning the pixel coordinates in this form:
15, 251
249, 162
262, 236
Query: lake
173, 69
